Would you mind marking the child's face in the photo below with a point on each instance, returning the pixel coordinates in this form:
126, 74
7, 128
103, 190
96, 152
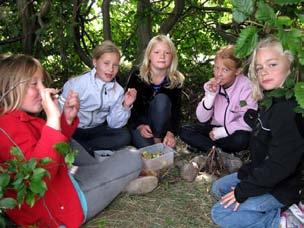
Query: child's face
272, 67
32, 101
107, 66
224, 75
160, 56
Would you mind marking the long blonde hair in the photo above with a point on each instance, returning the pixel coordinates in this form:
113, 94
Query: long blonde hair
176, 78
16, 72
270, 41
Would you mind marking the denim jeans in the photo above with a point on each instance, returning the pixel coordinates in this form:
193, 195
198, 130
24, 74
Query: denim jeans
159, 117
256, 212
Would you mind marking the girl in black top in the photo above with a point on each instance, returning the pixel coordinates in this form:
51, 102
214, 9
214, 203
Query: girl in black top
254, 196
155, 115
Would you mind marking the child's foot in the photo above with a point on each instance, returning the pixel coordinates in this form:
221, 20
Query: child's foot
142, 185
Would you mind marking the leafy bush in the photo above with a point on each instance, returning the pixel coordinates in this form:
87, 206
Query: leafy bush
283, 19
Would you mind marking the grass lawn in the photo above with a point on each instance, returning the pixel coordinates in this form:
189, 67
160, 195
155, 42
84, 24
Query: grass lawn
174, 203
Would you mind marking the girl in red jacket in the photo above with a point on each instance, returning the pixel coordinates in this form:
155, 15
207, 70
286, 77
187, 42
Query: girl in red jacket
69, 200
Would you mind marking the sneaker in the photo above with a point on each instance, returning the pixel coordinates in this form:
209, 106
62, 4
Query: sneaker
293, 217
142, 185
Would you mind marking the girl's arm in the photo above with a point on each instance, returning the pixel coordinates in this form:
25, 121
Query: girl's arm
204, 110
118, 115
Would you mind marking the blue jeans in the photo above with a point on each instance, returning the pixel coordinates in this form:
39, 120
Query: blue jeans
256, 212
159, 117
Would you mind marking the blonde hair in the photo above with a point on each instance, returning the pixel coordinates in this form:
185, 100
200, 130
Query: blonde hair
176, 79
226, 54
105, 47
16, 72
270, 41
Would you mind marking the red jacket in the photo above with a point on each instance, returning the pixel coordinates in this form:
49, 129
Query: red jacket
60, 204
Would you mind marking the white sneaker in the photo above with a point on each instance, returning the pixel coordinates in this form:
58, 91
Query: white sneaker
142, 185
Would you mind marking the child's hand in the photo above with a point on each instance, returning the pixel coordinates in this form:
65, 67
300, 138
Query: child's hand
212, 85
217, 133
169, 139
50, 105
229, 199
71, 107
130, 97
145, 131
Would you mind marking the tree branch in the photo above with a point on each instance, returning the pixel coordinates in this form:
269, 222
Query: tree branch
171, 20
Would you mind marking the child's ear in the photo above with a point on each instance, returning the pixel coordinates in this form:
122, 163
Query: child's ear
238, 71
94, 62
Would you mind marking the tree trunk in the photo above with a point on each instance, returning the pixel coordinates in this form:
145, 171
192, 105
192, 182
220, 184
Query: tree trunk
106, 20
144, 29
28, 19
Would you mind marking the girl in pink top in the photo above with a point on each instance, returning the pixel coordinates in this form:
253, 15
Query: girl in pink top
228, 96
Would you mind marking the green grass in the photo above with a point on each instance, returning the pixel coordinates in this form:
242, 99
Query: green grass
174, 203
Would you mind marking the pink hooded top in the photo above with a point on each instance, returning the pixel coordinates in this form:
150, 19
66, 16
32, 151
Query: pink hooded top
229, 105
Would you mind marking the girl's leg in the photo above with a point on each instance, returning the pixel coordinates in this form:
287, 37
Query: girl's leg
103, 137
224, 185
236, 142
258, 212
159, 115
102, 182
197, 136
138, 141
82, 157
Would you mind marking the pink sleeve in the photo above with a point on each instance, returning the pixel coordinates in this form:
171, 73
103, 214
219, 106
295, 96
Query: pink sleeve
203, 114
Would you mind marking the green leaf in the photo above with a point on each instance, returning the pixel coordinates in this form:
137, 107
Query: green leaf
291, 40
4, 180
280, 92
45, 161
38, 174
283, 21
38, 187
266, 102
300, 110
301, 17
289, 94
69, 159
16, 152
21, 192
289, 82
242, 9
63, 148
31, 164
299, 93
287, 2
246, 42
8, 203
265, 13
30, 199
